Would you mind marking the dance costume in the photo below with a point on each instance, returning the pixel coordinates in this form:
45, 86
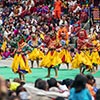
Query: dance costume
3, 47
81, 59
20, 64
36, 53
76, 61
51, 59
95, 57
65, 56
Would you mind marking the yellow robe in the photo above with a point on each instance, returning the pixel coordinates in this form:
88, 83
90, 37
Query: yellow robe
76, 61
18, 61
51, 61
95, 57
4, 46
67, 55
87, 59
81, 58
99, 60
36, 53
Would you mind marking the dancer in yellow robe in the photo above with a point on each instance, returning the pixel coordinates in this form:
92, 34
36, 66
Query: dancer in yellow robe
37, 55
65, 56
76, 61
4, 45
82, 61
95, 58
51, 60
20, 62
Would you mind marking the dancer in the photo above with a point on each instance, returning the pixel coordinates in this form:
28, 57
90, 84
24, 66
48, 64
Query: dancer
82, 61
86, 61
65, 56
95, 59
52, 58
37, 55
20, 62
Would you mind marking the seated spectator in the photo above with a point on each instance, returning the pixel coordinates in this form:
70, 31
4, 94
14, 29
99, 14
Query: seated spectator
12, 85
67, 82
37, 81
20, 86
14, 98
17, 80
79, 90
59, 98
89, 85
52, 84
98, 95
57, 87
3, 89
43, 85
94, 86
11, 93
22, 93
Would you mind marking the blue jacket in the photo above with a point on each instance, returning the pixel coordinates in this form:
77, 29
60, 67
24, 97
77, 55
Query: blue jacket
83, 95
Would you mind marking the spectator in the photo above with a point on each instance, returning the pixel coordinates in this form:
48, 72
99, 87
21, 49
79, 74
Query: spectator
3, 89
79, 90
89, 85
14, 98
98, 95
94, 86
67, 82
12, 85
37, 81
59, 98
43, 85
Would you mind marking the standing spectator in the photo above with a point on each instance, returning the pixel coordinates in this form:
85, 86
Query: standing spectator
57, 10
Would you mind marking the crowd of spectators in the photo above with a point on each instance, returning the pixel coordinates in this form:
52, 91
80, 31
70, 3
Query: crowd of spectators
82, 87
35, 19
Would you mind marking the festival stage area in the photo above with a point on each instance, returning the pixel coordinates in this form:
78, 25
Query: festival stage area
7, 73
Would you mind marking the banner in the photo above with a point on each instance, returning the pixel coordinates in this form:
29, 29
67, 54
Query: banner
96, 14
